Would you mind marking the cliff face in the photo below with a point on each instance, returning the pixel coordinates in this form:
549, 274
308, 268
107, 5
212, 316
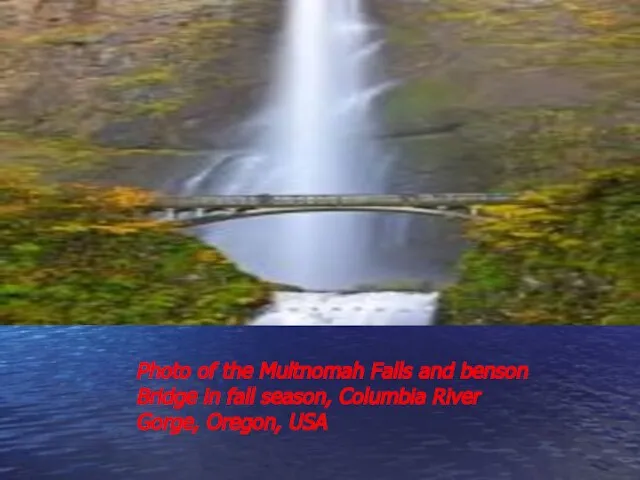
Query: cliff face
89, 80
169, 73
544, 89
454, 60
132, 73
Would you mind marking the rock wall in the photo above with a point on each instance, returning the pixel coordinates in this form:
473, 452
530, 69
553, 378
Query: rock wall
442, 53
551, 70
177, 74
132, 73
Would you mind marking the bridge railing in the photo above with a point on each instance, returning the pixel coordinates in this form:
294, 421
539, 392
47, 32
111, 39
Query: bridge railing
257, 201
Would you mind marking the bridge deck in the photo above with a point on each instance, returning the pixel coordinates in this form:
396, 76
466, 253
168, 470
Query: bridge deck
293, 201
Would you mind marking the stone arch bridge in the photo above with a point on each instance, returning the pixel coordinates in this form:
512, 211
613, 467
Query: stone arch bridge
201, 210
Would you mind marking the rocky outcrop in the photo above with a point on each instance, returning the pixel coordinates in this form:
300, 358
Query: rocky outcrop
132, 73
451, 61
507, 70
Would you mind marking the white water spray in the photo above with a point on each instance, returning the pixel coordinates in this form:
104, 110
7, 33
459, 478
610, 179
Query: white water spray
361, 309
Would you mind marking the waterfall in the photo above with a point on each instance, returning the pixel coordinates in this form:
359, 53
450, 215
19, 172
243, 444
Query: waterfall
318, 136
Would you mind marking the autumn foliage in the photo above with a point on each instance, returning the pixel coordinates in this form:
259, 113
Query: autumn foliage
573, 258
73, 254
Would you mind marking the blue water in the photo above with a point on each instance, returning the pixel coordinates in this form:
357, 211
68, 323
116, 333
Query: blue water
67, 406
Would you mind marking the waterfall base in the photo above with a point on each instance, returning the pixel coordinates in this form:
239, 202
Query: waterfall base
359, 309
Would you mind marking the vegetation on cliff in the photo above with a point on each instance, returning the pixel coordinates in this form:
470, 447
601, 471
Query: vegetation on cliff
548, 98
573, 258
138, 74
156, 75
74, 254
86, 83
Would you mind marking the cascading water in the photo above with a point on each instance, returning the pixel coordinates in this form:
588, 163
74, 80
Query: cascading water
318, 140
318, 137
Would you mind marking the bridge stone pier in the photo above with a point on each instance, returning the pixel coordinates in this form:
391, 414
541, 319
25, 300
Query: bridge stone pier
200, 210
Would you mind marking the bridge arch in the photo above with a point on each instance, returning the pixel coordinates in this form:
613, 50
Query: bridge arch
220, 216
